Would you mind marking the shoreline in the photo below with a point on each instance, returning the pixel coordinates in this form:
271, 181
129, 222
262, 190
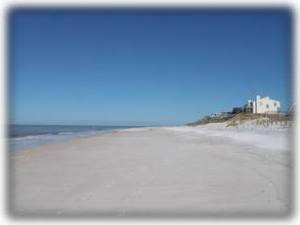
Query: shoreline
33, 141
218, 130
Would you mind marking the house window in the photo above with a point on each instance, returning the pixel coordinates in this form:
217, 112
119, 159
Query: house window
275, 104
267, 106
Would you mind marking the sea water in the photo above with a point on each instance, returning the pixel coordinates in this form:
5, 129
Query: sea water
28, 136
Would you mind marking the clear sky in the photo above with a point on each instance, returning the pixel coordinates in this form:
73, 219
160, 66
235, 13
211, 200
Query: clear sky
144, 67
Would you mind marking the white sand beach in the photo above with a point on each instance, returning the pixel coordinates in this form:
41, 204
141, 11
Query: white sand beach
176, 171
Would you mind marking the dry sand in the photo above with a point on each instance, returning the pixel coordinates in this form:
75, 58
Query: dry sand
150, 172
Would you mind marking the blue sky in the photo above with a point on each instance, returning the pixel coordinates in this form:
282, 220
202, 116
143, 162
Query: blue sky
144, 67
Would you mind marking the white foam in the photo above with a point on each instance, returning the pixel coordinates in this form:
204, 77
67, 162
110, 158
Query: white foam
19, 143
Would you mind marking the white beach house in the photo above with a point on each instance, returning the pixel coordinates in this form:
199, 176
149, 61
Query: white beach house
263, 105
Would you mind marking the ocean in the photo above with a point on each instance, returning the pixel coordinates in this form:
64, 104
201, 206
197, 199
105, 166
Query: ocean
28, 136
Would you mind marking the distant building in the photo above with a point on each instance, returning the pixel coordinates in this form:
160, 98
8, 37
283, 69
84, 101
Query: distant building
214, 115
221, 115
262, 105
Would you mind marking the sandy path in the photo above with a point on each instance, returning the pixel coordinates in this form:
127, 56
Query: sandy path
149, 172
